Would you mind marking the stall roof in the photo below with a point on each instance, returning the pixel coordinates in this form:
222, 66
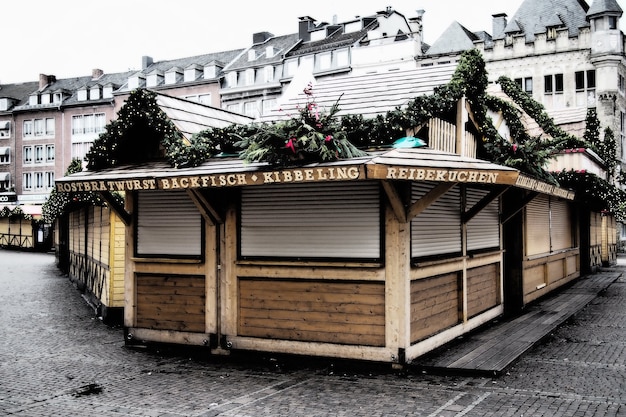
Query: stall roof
190, 117
419, 164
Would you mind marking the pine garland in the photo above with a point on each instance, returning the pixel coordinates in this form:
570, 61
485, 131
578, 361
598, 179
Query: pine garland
142, 132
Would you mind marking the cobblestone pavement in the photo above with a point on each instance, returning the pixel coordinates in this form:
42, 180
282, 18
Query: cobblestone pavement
56, 359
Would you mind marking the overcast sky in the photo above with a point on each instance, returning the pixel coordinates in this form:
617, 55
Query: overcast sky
69, 38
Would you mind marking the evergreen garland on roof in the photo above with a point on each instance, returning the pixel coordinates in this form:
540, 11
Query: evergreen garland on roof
142, 132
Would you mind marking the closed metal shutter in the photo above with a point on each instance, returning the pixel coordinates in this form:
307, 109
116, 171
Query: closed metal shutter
436, 230
560, 225
483, 230
538, 226
168, 223
311, 221
596, 228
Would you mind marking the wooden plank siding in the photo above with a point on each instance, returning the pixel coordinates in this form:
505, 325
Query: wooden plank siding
435, 305
546, 273
483, 289
344, 312
171, 302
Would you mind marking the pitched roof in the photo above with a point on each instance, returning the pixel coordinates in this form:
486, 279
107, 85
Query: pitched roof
536, 16
280, 44
456, 38
370, 94
220, 58
604, 6
18, 92
191, 117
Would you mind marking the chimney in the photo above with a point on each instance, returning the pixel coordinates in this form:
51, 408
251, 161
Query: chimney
261, 37
45, 80
498, 25
304, 28
96, 73
146, 61
416, 24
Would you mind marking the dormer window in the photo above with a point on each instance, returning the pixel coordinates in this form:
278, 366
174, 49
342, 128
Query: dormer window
4, 104
81, 95
154, 79
136, 81
551, 32
107, 91
33, 100
95, 92
211, 71
45, 98
192, 73
251, 55
269, 52
57, 97
173, 76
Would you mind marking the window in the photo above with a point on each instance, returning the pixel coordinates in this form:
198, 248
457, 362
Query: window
269, 105
250, 109
38, 127
268, 74
27, 181
551, 32
200, 98
324, 61
5, 129
585, 88
231, 79
80, 149
49, 179
250, 76
39, 180
526, 84
5, 155
88, 124
620, 83
49, 127
342, 58
27, 130
5, 181
553, 83
39, 154
28, 154
612, 22
49, 153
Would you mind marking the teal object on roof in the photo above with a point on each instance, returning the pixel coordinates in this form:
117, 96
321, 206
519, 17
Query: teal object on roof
408, 142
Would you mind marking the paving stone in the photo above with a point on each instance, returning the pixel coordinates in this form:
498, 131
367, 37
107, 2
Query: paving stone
57, 359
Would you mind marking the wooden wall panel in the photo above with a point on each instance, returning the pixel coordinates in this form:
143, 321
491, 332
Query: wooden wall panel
171, 302
483, 289
435, 305
345, 312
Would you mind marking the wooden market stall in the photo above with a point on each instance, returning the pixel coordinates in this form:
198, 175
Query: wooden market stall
21, 228
379, 258
94, 245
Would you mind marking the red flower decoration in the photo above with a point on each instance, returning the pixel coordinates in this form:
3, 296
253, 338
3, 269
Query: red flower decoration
290, 145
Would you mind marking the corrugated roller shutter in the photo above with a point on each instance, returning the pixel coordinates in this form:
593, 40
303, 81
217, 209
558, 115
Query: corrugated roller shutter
168, 223
560, 224
483, 230
538, 226
436, 230
596, 228
311, 221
